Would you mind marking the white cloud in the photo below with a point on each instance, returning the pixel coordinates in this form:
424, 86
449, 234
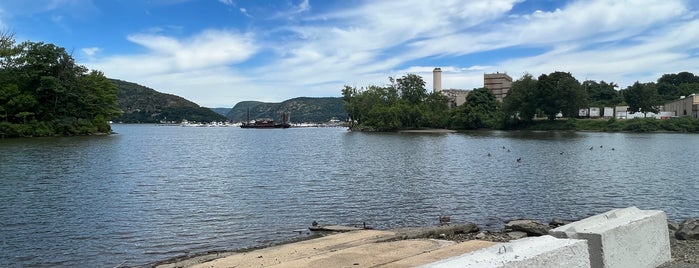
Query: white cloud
227, 2
197, 68
91, 51
244, 11
619, 41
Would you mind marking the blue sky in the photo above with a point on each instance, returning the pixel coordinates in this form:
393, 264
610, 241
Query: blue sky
219, 52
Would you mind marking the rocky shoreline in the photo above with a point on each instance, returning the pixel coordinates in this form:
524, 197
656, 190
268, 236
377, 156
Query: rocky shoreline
684, 239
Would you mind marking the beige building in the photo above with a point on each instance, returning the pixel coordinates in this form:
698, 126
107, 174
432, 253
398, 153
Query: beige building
457, 97
498, 83
685, 106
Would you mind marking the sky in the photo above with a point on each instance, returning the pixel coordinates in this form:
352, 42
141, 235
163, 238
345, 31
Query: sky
217, 53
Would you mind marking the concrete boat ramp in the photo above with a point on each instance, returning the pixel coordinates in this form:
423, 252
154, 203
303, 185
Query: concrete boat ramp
360, 248
619, 238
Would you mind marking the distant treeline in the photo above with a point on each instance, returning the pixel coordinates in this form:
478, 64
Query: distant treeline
404, 104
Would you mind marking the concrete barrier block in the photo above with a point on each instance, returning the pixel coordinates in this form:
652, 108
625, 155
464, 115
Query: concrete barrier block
542, 251
627, 237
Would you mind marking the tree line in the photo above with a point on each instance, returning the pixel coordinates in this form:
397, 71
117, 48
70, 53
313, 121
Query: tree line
404, 102
43, 92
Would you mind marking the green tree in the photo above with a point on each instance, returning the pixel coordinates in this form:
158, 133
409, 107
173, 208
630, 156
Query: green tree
481, 110
642, 97
521, 103
560, 92
602, 93
44, 92
412, 88
435, 110
672, 86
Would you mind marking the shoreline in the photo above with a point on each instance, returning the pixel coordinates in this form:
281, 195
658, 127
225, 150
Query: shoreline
684, 252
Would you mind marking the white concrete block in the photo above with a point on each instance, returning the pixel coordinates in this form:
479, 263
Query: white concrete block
627, 237
542, 251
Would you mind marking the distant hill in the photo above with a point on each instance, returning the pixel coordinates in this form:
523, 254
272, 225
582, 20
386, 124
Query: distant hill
145, 105
221, 111
301, 109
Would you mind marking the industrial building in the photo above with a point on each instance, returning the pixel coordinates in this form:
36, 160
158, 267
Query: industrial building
685, 106
498, 83
457, 97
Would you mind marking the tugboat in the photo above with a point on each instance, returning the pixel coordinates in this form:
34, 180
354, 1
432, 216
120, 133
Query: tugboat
266, 123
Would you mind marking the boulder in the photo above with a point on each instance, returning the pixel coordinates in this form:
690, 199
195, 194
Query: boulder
558, 222
530, 227
516, 235
689, 230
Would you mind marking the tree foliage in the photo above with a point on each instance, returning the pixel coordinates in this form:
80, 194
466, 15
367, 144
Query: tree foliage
404, 103
560, 92
481, 110
602, 93
44, 92
642, 97
521, 103
673, 86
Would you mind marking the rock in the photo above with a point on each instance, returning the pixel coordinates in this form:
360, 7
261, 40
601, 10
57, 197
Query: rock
557, 223
689, 230
516, 234
481, 235
530, 227
673, 226
435, 231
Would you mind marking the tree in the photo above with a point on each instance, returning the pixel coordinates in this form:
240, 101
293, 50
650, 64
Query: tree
436, 110
642, 97
44, 92
560, 92
412, 92
480, 111
412, 89
673, 86
520, 103
602, 93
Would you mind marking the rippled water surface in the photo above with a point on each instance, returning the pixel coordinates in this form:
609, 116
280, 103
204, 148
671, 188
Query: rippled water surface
154, 192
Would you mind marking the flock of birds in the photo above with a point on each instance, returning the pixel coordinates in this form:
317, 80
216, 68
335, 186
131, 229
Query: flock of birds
519, 159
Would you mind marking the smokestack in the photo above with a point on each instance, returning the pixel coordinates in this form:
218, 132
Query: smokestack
437, 80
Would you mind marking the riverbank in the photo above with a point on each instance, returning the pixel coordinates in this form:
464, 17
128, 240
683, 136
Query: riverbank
406, 246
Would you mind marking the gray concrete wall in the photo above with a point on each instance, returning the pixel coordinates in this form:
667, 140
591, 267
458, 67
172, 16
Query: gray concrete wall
627, 237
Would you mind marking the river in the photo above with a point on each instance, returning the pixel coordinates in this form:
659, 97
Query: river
151, 192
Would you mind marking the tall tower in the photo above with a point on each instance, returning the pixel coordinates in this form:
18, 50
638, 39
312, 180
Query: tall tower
437, 80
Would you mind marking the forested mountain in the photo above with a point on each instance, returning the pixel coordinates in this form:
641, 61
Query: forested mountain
301, 109
221, 111
141, 104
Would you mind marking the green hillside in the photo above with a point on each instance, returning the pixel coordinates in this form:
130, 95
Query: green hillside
141, 104
303, 109
221, 111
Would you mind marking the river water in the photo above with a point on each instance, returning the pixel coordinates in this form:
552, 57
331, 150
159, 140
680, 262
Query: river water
155, 192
